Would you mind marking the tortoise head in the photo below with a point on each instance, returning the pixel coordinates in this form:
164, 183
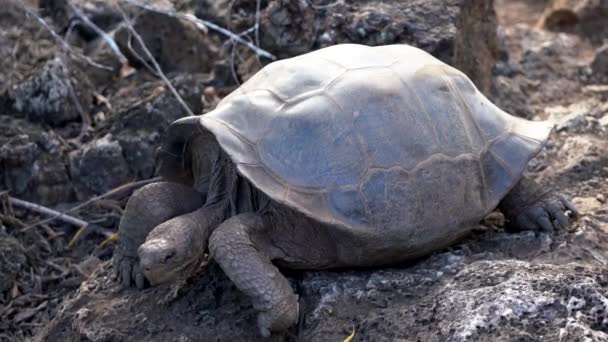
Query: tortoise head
172, 250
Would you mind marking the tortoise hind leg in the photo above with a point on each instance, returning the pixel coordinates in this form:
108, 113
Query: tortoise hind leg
235, 246
529, 206
147, 208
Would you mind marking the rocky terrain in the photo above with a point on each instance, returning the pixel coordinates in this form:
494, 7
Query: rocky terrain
80, 120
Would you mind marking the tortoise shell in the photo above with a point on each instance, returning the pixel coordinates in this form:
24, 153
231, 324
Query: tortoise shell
384, 138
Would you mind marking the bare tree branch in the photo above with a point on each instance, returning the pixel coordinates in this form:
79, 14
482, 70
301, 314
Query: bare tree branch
60, 40
159, 71
84, 225
94, 199
47, 211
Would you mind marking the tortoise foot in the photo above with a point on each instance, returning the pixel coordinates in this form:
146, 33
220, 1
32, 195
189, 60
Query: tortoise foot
128, 270
552, 212
280, 317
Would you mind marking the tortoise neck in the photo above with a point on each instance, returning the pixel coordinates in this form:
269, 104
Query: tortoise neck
223, 180
202, 156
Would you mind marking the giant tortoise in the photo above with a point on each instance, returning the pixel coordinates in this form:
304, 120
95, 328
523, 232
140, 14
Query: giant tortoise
348, 156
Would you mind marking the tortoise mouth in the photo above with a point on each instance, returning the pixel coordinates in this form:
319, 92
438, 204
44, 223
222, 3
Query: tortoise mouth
157, 277
165, 273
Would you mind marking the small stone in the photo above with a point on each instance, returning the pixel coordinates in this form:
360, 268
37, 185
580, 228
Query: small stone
601, 198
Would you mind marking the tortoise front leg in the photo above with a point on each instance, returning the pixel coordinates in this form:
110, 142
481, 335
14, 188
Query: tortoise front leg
236, 245
147, 208
531, 207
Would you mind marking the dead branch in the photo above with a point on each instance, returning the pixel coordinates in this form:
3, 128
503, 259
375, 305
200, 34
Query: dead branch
114, 191
84, 225
204, 24
159, 71
235, 75
46, 211
140, 58
60, 40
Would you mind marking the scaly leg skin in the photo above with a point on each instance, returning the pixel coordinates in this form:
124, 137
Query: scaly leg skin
148, 207
233, 246
531, 207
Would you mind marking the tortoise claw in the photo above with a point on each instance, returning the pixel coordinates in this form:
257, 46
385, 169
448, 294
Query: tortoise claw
547, 214
126, 267
569, 206
127, 271
138, 276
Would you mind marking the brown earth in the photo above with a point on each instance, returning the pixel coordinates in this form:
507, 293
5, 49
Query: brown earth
70, 130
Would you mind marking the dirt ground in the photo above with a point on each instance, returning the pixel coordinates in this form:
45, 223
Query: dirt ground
80, 125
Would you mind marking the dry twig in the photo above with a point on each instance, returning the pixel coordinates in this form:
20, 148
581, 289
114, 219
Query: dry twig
106, 37
140, 58
258, 5
46, 211
159, 71
94, 199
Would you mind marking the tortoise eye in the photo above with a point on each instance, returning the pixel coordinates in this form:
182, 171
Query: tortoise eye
168, 256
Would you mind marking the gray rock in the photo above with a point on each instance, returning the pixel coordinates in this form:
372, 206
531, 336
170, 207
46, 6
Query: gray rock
176, 44
32, 162
19, 162
45, 95
98, 167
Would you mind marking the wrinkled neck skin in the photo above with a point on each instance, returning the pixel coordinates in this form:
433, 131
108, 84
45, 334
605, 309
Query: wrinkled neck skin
227, 193
200, 155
